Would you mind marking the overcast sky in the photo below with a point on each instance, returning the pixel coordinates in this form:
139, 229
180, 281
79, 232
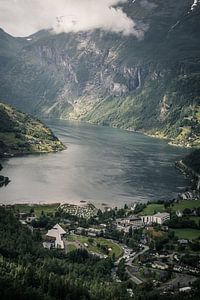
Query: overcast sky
24, 17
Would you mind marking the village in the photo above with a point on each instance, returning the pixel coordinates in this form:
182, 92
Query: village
153, 243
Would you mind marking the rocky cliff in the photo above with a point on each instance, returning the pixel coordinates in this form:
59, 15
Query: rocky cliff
151, 84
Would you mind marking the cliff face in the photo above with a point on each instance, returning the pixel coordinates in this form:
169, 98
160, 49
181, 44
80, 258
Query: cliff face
149, 84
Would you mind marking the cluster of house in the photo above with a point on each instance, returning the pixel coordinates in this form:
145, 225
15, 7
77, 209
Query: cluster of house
186, 269
26, 218
177, 268
54, 237
189, 195
92, 232
85, 210
137, 222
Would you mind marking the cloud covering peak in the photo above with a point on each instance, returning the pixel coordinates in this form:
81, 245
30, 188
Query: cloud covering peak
24, 17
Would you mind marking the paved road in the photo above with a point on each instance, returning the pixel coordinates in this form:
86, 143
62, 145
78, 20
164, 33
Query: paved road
135, 279
129, 265
129, 258
129, 261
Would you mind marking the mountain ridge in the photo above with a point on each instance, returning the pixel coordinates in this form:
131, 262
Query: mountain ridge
150, 84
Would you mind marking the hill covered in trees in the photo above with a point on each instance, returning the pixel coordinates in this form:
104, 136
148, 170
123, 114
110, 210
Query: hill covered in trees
21, 133
192, 160
28, 271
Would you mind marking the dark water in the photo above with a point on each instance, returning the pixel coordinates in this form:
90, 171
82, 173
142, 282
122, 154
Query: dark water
100, 165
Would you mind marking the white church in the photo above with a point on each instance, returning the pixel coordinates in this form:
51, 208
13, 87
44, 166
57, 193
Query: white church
54, 238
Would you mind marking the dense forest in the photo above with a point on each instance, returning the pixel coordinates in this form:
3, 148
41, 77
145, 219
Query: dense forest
27, 271
193, 160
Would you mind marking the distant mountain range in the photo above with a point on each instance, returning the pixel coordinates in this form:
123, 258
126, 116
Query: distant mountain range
150, 84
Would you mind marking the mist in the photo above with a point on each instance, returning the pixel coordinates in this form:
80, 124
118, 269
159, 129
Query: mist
147, 4
25, 17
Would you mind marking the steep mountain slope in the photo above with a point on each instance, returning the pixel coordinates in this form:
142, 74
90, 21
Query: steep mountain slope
190, 166
21, 133
150, 84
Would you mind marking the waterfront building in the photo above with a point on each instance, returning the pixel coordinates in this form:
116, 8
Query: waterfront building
158, 218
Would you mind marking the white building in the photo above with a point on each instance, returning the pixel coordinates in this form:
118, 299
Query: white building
179, 214
54, 238
125, 223
158, 218
133, 207
89, 231
185, 289
160, 265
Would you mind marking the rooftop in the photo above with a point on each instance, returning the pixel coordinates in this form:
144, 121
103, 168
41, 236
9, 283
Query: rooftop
56, 232
161, 215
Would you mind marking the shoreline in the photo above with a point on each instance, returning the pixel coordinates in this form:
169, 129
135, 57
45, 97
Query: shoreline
159, 136
21, 154
99, 205
190, 173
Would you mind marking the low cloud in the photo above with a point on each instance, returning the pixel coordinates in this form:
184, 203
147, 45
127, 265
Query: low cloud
24, 17
148, 5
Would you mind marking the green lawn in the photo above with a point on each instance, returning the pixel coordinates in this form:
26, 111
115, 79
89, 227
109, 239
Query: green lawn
38, 208
153, 208
92, 247
187, 233
185, 204
71, 247
195, 219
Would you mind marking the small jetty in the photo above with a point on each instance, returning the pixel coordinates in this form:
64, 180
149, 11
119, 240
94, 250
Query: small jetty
4, 181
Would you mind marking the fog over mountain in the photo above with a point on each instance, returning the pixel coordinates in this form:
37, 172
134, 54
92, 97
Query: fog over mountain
118, 82
133, 64
24, 17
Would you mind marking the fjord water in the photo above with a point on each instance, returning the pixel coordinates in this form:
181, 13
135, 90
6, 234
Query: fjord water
100, 164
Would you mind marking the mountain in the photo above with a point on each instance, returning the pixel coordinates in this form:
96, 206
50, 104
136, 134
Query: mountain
9, 47
150, 84
192, 167
21, 133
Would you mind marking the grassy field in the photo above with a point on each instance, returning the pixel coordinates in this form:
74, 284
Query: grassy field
71, 247
186, 233
195, 219
46, 208
92, 247
154, 233
153, 208
185, 204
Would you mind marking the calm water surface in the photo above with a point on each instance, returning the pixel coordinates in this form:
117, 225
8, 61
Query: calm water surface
101, 165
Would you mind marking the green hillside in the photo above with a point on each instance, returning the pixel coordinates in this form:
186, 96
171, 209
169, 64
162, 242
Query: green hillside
28, 271
193, 161
149, 84
21, 133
